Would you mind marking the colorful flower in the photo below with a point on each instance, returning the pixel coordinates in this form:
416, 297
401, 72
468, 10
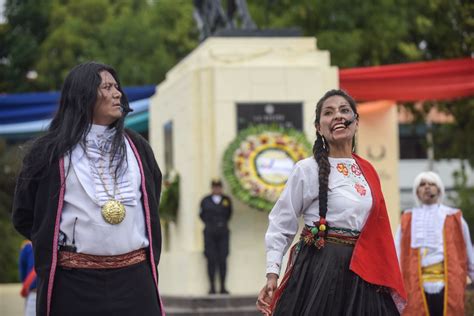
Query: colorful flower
360, 189
342, 169
356, 170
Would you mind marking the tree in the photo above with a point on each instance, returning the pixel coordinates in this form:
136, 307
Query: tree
10, 239
364, 33
21, 37
142, 40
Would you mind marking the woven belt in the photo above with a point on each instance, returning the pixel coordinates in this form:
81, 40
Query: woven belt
335, 235
76, 260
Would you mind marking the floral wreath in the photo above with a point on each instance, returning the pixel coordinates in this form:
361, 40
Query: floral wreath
169, 199
258, 162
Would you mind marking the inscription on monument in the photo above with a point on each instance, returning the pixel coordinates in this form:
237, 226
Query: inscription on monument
288, 115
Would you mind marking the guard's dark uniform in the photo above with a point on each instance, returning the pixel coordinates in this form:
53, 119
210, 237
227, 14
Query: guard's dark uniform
216, 236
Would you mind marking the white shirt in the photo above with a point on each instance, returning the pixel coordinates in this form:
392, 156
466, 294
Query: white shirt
92, 234
427, 235
349, 204
216, 198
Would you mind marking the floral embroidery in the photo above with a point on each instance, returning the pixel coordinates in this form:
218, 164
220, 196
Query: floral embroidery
352, 173
360, 189
342, 169
355, 170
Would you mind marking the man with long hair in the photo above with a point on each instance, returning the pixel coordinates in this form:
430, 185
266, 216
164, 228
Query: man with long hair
87, 197
435, 251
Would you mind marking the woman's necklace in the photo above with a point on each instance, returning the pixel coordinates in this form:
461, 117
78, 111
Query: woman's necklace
113, 211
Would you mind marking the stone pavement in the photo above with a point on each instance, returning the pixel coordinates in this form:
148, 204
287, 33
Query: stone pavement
11, 303
211, 305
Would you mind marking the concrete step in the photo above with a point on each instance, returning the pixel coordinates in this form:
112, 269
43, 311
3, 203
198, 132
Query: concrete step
215, 305
235, 311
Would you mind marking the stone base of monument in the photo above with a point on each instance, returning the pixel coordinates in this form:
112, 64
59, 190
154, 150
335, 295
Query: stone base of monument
215, 305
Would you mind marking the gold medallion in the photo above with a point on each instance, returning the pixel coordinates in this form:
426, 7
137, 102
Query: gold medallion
113, 212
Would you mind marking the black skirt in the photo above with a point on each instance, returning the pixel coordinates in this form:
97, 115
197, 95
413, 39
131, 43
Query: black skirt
322, 284
118, 292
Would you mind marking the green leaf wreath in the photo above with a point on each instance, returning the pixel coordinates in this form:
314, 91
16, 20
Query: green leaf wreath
169, 201
240, 167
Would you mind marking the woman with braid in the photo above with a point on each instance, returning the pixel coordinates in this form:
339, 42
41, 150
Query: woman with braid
345, 261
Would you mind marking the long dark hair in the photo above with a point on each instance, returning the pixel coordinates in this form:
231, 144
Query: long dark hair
73, 120
321, 149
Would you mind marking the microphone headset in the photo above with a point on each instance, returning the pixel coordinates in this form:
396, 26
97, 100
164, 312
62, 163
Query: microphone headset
352, 120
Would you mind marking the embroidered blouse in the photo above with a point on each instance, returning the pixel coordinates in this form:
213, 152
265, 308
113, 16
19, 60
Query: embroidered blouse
349, 204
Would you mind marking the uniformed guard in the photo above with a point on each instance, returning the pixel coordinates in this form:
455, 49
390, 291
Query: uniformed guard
216, 210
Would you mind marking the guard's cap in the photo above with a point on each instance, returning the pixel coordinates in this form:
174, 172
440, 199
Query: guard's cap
216, 182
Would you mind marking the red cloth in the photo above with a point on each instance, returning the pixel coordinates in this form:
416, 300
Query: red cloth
25, 289
374, 258
433, 80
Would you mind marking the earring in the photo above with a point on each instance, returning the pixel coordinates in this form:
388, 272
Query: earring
324, 142
354, 145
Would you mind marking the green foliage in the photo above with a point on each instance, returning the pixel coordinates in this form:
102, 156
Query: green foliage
94, 30
464, 198
169, 205
366, 33
457, 142
20, 39
10, 239
169, 201
455, 136
144, 39
141, 39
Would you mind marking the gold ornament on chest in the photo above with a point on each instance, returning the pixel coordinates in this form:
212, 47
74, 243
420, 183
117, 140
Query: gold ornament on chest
113, 212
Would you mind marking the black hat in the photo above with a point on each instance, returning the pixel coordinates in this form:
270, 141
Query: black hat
216, 182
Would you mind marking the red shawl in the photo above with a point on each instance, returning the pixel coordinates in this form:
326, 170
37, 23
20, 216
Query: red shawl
374, 258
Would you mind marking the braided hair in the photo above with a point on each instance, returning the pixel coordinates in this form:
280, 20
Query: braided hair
321, 151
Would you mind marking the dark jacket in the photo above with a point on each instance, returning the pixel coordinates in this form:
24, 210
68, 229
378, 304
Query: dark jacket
37, 208
215, 216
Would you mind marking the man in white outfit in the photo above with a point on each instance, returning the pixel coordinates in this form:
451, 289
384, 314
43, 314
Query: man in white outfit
435, 251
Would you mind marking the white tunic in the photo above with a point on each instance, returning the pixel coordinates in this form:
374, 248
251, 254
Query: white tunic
83, 201
427, 235
349, 204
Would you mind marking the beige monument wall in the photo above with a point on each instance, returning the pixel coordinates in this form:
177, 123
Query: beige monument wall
378, 142
199, 96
